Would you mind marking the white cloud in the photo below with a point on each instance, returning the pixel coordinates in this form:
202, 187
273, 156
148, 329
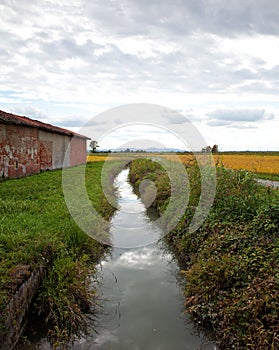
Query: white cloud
106, 336
141, 258
205, 56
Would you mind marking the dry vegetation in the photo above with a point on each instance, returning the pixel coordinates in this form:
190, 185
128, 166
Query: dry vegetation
262, 163
258, 162
96, 158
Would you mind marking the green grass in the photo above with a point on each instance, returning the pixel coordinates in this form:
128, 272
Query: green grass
273, 177
37, 229
231, 262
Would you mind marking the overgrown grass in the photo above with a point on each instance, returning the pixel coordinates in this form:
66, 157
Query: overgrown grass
142, 169
36, 229
273, 177
231, 262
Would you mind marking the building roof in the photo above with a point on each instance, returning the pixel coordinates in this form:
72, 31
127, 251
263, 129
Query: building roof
9, 118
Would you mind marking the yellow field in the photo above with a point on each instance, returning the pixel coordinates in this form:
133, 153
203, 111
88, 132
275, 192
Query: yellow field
96, 158
109, 156
265, 164
257, 163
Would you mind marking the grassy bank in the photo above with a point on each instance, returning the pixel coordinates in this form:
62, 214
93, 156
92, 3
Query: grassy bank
37, 230
272, 177
231, 262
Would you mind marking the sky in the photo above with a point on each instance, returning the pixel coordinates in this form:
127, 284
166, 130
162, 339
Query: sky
214, 62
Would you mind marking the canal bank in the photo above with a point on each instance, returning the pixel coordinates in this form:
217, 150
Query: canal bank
141, 300
231, 262
45, 257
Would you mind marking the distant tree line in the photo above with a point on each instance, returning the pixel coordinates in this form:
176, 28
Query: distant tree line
94, 145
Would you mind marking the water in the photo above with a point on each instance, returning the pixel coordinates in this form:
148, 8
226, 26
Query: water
142, 302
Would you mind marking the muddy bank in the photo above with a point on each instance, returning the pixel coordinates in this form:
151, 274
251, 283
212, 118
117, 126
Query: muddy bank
18, 306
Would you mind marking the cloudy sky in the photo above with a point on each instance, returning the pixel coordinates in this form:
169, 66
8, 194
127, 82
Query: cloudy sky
215, 62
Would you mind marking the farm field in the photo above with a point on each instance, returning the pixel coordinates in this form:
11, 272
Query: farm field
96, 158
260, 163
256, 162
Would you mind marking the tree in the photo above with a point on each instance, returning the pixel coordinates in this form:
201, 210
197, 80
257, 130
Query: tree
214, 149
94, 145
206, 149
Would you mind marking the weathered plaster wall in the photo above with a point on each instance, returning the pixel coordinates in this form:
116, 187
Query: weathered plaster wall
59, 144
19, 154
78, 151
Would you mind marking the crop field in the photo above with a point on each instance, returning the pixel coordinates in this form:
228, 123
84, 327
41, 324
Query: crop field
258, 162
262, 163
96, 158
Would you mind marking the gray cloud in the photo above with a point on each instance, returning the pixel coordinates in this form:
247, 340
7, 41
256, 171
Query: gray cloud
215, 122
95, 122
243, 115
183, 17
243, 126
122, 51
176, 119
68, 48
238, 118
52, 55
29, 111
71, 122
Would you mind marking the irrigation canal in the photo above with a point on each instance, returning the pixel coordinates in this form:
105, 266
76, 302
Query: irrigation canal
142, 301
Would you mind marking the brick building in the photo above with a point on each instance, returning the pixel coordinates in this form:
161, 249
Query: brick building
28, 146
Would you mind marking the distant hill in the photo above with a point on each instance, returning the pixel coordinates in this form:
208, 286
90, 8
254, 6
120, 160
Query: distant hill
147, 150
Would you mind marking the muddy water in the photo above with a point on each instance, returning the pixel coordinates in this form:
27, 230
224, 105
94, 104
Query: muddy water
142, 302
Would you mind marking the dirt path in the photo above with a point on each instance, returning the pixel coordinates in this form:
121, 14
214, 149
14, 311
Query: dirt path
269, 183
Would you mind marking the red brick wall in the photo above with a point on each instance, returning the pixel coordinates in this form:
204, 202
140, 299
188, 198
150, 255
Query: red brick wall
24, 152
45, 155
78, 151
19, 154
